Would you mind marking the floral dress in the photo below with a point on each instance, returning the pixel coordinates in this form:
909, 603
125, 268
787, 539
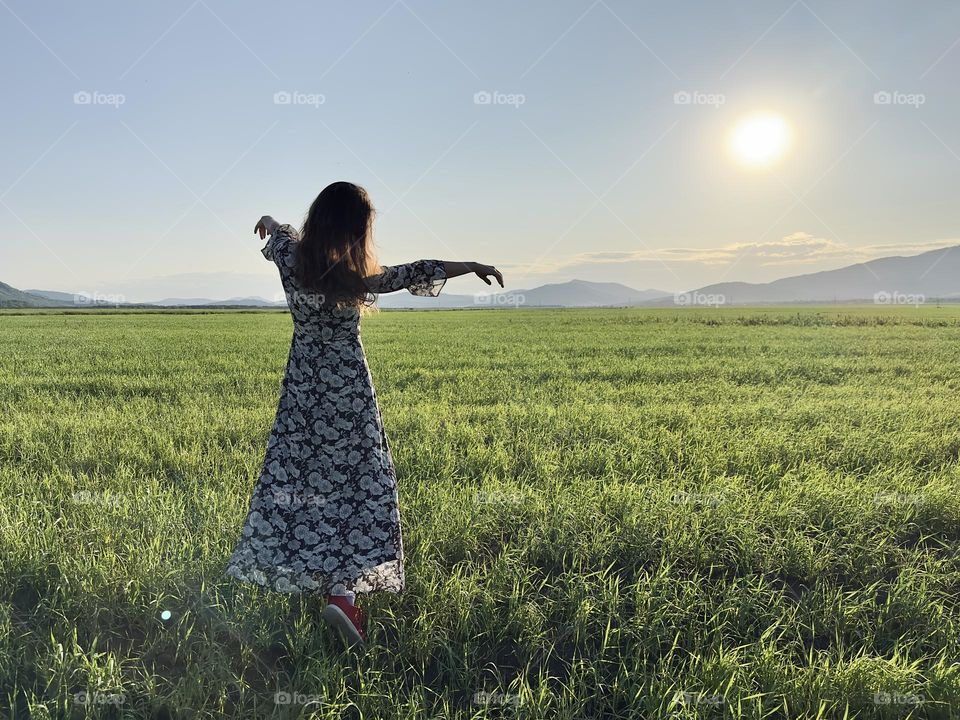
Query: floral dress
324, 515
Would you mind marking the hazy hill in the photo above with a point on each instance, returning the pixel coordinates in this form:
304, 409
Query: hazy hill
232, 302
576, 293
10, 297
932, 275
68, 298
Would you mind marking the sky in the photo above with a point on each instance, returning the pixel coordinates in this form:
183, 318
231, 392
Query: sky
554, 139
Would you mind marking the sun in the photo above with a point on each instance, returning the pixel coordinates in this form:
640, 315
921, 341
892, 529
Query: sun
760, 140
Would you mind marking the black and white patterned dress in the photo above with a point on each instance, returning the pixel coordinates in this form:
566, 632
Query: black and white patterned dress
324, 515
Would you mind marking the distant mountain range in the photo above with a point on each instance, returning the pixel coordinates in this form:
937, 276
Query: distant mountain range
576, 293
52, 298
933, 275
232, 302
10, 297
60, 297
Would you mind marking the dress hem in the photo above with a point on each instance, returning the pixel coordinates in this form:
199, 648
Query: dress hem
323, 589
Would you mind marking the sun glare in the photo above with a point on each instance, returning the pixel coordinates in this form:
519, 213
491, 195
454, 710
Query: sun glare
760, 140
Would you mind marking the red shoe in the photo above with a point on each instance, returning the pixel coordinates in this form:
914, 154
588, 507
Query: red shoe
346, 619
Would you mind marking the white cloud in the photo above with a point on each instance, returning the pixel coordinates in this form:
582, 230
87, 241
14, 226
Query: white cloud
798, 249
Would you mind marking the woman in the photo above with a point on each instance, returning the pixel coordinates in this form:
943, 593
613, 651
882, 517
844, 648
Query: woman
324, 517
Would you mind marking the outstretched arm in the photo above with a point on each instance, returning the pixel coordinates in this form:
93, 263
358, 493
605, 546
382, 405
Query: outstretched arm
484, 272
427, 277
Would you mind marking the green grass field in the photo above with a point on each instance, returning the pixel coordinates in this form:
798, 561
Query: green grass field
637, 513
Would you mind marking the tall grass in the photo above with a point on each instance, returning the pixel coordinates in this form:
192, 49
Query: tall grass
637, 513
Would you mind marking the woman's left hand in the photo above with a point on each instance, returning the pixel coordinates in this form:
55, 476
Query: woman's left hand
265, 226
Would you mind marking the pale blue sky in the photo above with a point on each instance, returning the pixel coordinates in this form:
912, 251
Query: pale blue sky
104, 198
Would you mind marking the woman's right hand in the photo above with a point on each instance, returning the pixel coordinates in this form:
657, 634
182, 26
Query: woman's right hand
265, 226
484, 272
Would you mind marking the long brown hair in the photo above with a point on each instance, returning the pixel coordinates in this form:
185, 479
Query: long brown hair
335, 252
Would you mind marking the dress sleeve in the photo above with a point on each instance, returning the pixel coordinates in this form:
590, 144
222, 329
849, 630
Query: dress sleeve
278, 245
423, 277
